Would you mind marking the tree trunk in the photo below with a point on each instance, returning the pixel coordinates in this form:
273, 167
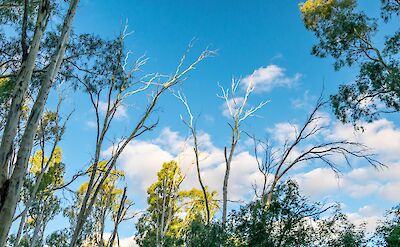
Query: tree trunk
268, 199
203, 188
21, 85
228, 161
118, 220
11, 194
37, 228
10, 130
225, 193
29, 204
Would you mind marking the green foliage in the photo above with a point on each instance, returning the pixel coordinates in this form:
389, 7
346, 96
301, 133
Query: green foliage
6, 86
171, 210
346, 34
284, 223
291, 220
200, 234
58, 239
388, 230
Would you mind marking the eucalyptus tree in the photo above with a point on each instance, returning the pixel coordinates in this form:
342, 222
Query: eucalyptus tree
12, 174
238, 111
50, 132
109, 80
292, 220
40, 202
196, 149
105, 208
171, 210
307, 145
388, 230
353, 38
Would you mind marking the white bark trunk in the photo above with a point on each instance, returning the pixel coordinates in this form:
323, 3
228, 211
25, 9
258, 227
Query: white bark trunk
21, 85
11, 195
228, 162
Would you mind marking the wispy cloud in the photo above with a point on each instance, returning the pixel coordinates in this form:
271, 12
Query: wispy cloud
120, 114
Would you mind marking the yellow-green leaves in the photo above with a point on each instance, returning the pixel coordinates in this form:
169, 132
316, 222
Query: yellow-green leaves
314, 11
38, 160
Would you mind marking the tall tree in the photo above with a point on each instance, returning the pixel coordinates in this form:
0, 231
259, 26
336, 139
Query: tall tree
108, 80
279, 161
238, 111
171, 210
348, 35
105, 208
40, 202
292, 220
196, 149
12, 175
388, 230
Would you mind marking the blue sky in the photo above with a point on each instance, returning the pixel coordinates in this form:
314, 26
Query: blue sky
248, 36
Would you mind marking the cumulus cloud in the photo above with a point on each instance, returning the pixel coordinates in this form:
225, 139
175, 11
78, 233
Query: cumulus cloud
269, 77
381, 135
364, 180
369, 214
317, 182
141, 160
283, 132
128, 242
357, 183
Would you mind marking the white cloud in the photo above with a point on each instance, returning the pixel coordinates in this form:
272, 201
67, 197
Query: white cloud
269, 77
128, 242
357, 183
283, 132
369, 214
381, 135
171, 140
91, 124
317, 182
141, 160
306, 102
390, 191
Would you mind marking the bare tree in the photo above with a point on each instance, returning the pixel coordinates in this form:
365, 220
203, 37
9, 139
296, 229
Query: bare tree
120, 216
119, 86
192, 128
278, 162
238, 111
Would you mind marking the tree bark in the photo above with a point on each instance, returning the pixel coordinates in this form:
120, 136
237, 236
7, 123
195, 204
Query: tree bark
21, 85
11, 193
37, 228
203, 188
33, 194
228, 161
118, 220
